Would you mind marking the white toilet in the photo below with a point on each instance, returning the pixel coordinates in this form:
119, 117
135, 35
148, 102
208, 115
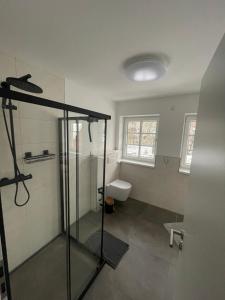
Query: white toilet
118, 189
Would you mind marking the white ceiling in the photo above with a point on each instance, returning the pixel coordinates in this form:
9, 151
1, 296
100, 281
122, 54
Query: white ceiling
88, 40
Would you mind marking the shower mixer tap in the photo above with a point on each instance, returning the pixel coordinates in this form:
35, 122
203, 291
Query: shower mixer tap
23, 84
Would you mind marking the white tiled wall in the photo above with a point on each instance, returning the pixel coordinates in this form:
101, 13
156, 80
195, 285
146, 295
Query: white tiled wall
162, 186
31, 227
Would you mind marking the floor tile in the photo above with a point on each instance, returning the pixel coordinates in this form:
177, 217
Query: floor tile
146, 270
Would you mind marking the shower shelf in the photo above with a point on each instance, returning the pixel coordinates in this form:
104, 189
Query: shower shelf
37, 158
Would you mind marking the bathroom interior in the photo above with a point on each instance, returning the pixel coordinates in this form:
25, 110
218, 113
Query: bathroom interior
95, 149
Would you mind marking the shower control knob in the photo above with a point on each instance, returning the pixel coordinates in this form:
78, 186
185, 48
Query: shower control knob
45, 152
28, 154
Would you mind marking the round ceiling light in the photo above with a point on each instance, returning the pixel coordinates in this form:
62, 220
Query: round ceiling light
145, 68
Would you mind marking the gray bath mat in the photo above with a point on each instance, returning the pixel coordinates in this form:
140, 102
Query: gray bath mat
113, 248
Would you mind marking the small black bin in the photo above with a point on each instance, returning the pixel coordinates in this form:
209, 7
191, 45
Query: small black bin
109, 205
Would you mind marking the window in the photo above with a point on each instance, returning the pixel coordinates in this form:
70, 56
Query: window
188, 142
140, 138
73, 132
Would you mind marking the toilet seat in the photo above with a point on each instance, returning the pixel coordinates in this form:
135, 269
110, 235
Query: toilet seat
121, 184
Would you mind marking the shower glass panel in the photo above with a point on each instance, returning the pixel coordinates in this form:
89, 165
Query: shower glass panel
36, 247
86, 144
88, 138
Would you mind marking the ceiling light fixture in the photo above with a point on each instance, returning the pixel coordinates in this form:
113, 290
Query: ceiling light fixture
145, 68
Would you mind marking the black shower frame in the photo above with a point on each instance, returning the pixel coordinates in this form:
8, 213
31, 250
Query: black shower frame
6, 93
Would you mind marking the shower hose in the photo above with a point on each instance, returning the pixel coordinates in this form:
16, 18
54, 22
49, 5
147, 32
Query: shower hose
16, 165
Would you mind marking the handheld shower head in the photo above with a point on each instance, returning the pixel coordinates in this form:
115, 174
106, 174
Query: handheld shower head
22, 83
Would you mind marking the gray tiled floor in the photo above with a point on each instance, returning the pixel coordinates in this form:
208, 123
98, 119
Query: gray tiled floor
43, 276
88, 225
145, 271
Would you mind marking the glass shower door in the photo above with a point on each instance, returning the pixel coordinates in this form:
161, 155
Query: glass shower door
86, 144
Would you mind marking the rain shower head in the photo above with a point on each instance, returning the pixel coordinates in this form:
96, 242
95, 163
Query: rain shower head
22, 83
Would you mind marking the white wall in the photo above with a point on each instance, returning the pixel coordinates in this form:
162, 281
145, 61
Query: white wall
86, 97
30, 227
89, 98
162, 186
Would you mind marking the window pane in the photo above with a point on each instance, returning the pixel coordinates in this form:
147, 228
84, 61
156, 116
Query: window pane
133, 139
132, 150
74, 127
192, 127
149, 126
140, 135
148, 139
133, 126
190, 146
147, 152
188, 159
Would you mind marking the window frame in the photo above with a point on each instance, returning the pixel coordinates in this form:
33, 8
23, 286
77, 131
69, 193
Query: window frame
185, 168
141, 119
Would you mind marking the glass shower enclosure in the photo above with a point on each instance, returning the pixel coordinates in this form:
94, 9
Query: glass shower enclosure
51, 247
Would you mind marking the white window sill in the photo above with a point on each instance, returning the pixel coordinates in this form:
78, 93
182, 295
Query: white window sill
184, 171
137, 163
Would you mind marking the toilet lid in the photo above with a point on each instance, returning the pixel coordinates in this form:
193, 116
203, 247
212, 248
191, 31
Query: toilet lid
121, 184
